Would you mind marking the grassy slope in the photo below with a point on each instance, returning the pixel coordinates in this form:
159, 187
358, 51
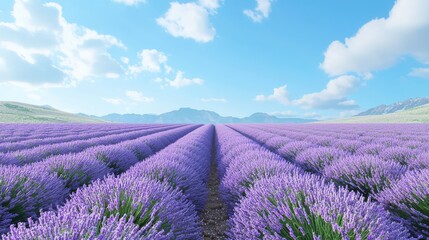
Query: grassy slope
414, 115
14, 112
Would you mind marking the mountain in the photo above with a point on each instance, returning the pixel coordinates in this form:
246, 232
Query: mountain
189, 115
395, 107
414, 115
14, 112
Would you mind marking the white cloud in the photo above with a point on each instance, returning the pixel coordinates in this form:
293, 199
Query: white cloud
125, 60
213, 100
261, 11
138, 97
181, 81
333, 96
114, 101
381, 42
280, 94
130, 2
151, 60
210, 4
13, 68
420, 72
189, 20
40, 46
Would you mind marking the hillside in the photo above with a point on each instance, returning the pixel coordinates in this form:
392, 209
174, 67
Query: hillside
189, 115
14, 112
396, 107
415, 115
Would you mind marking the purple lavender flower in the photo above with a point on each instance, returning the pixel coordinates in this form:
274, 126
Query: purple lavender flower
75, 170
421, 161
364, 173
408, 199
124, 208
139, 148
233, 153
304, 207
348, 145
277, 142
400, 155
319, 140
388, 141
24, 192
290, 150
242, 174
315, 159
370, 149
178, 175
115, 157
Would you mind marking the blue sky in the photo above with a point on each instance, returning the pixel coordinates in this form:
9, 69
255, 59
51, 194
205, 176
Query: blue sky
303, 58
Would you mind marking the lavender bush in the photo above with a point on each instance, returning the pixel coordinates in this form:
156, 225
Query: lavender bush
304, 207
118, 208
317, 158
408, 199
364, 173
244, 173
24, 192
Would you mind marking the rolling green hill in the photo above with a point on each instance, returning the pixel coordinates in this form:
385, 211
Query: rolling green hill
14, 112
414, 115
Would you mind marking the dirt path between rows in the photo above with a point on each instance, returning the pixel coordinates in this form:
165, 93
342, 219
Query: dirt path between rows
214, 216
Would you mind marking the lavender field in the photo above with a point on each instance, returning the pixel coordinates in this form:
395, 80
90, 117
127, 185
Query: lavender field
238, 181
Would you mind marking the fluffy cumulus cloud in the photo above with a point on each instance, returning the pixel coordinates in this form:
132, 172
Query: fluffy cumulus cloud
138, 97
131, 98
380, 43
261, 11
190, 20
40, 46
181, 81
279, 94
223, 100
130, 2
210, 4
334, 96
151, 60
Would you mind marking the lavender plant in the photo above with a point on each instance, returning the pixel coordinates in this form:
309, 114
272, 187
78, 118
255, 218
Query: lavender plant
305, 207
364, 173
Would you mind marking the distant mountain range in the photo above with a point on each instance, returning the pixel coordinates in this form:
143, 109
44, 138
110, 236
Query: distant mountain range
189, 115
418, 114
412, 110
15, 112
395, 107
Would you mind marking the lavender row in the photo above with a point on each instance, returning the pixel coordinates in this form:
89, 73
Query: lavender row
156, 199
41, 186
22, 132
22, 157
14, 146
386, 134
241, 163
343, 162
272, 199
394, 176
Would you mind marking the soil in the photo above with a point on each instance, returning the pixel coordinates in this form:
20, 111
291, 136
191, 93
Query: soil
214, 216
